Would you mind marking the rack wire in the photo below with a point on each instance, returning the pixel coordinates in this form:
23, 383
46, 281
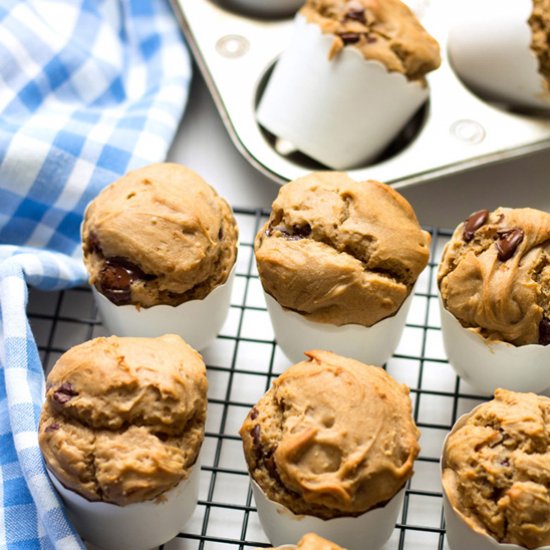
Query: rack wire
241, 365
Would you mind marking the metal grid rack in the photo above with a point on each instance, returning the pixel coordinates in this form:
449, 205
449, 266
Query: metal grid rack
242, 363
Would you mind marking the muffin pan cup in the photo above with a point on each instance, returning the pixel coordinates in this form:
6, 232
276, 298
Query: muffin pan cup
138, 526
487, 364
459, 534
507, 68
368, 531
264, 8
341, 112
198, 322
372, 345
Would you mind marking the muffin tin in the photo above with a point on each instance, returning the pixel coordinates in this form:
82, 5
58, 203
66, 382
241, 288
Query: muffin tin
236, 43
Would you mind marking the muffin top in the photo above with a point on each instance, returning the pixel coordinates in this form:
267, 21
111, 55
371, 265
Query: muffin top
123, 419
540, 27
332, 437
385, 31
496, 468
158, 235
339, 251
311, 541
494, 275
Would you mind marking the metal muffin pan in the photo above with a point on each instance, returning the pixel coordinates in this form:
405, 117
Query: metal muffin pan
235, 50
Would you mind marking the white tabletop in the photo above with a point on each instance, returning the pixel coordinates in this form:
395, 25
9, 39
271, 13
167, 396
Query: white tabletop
202, 143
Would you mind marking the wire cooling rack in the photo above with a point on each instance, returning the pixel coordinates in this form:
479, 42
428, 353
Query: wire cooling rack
242, 363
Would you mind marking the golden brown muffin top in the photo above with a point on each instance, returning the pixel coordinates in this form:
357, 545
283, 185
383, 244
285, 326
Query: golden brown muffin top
382, 30
496, 466
332, 437
494, 275
124, 418
158, 235
340, 251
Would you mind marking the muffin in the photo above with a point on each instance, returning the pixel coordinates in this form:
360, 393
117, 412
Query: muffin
495, 473
387, 32
494, 283
500, 51
158, 235
123, 423
351, 77
338, 252
161, 236
311, 541
331, 454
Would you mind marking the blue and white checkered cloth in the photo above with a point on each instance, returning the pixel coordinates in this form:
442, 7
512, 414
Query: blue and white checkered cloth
89, 89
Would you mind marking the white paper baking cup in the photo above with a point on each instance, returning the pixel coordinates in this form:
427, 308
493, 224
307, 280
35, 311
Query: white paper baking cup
372, 345
198, 322
342, 112
139, 526
368, 531
488, 364
489, 48
461, 535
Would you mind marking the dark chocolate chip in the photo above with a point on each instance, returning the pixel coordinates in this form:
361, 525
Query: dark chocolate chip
473, 223
271, 467
64, 393
256, 443
93, 244
116, 276
356, 13
254, 413
294, 233
350, 37
220, 234
52, 427
505, 462
544, 331
300, 232
508, 242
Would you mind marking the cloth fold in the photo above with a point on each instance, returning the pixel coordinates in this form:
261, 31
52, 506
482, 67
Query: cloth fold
90, 89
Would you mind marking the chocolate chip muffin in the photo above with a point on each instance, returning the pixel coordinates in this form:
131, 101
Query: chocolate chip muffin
496, 468
158, 235
124, 418
385, 31
333, 437
311, 541
340, 251
494, 275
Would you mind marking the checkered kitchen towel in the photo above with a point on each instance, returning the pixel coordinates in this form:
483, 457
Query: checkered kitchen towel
88, 90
